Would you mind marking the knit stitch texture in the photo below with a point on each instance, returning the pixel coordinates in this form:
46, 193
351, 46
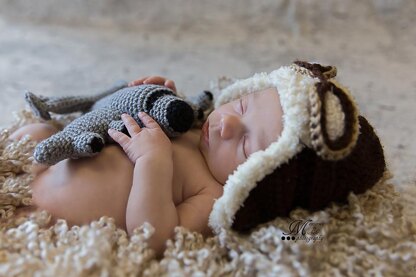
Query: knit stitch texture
86, 136
373, 234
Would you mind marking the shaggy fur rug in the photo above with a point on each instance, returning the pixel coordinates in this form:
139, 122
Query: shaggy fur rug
373, 235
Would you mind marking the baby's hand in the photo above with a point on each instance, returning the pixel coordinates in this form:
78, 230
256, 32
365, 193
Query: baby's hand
154, 80
147, 141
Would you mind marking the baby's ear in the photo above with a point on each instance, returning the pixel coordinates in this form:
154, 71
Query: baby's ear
334, 123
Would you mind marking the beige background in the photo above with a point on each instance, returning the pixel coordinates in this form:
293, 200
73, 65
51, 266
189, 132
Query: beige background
75, 47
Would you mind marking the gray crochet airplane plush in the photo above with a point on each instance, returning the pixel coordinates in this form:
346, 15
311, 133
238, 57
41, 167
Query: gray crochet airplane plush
87, 135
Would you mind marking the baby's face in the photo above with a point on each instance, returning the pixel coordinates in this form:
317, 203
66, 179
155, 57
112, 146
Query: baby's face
239, 128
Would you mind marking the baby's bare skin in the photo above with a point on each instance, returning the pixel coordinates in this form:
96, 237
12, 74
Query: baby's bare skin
145, 177
85, 189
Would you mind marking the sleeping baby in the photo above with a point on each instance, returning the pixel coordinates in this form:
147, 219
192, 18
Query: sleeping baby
274, 142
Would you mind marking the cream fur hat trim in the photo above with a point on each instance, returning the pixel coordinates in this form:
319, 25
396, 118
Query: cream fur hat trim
312, 117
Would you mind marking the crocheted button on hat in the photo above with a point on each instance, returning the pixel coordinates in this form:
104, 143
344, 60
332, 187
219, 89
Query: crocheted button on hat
326, 150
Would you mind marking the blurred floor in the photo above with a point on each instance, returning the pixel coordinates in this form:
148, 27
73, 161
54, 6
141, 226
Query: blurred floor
64, 47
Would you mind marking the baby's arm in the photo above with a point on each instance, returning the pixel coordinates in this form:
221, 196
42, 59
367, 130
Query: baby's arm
150, 198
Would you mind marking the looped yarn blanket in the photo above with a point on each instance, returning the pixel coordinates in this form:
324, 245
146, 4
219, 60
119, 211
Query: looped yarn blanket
373, 235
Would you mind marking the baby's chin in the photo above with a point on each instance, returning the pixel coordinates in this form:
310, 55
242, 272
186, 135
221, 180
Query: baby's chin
202, 144
204, 152
202, 148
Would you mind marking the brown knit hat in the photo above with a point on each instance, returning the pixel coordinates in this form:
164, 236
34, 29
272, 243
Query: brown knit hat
324, 152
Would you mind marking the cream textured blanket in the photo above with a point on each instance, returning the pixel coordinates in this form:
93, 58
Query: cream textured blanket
375, 234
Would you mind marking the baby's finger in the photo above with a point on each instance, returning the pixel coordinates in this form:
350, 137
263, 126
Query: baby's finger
138, 82
118, 137
148, 121
155, 80
131, 125
170, 84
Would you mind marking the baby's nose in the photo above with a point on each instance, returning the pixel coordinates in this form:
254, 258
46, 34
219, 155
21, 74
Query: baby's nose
231, 126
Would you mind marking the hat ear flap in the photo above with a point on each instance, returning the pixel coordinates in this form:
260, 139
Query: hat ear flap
327, 145
317, 70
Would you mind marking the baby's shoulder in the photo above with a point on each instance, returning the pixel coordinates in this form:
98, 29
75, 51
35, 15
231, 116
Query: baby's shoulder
194, 211
200, 184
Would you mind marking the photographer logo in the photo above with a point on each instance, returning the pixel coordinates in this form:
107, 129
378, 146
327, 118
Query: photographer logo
304, 230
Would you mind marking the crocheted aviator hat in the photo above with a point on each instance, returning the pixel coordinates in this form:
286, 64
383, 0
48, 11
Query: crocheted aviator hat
325, 150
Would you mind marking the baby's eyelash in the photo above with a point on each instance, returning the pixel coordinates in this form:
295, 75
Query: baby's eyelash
244, 147
241, 106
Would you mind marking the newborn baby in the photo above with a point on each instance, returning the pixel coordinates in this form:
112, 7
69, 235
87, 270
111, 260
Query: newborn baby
146, 177
291, 138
